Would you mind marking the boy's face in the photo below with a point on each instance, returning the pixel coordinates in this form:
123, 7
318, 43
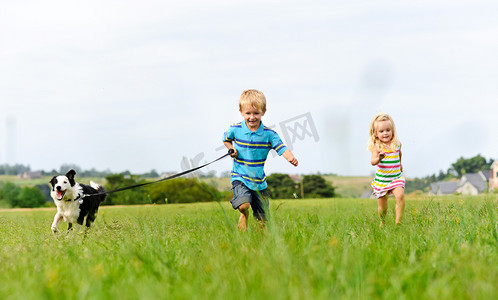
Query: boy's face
252, 116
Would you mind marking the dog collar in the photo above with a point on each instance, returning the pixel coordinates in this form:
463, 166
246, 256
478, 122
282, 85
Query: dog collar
75, 199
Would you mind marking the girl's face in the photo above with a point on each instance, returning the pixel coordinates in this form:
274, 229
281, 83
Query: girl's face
384, 131
252, 116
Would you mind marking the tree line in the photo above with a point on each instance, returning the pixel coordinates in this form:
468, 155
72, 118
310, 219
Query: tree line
187, 190
457, 169
179, 190
20, 169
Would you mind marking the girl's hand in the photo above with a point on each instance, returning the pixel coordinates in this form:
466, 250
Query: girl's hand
382, 154
377, 156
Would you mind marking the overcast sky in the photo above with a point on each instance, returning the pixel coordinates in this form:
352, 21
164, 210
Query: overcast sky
142, 85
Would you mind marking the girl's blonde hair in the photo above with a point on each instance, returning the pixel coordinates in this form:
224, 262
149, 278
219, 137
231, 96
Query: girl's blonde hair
374, 142
253, 98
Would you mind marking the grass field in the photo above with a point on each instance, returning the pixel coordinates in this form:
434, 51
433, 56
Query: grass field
447, 248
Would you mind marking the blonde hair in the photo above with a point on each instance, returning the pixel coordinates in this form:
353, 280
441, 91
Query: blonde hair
253, 98
374, 142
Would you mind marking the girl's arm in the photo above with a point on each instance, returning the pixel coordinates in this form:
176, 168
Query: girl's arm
377, 156
400, 164
229, 145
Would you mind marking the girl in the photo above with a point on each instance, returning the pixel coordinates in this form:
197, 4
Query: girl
386, 155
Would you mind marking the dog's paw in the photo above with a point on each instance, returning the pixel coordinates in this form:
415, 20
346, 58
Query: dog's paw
54, 230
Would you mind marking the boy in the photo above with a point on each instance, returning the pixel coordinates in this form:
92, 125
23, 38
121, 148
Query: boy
251, 142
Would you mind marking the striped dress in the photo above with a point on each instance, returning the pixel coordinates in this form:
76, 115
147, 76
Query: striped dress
388, 174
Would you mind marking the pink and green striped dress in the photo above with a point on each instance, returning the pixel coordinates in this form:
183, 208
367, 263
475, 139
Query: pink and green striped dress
388, 174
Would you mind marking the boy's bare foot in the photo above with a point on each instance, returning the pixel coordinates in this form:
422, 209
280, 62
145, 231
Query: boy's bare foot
242, 222
260, 225
382, 223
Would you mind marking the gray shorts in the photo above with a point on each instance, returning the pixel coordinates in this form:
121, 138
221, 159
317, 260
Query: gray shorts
259, 200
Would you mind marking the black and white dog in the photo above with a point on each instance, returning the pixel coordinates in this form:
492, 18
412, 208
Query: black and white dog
71, 206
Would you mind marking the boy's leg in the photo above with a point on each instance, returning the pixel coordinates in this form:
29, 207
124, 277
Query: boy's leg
399, 194
382, 202
241, 201
244, 213
261, 207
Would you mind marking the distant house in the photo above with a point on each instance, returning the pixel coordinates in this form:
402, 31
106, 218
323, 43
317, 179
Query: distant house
31, 175
473, 184
367, 195
493, 176
295, 178
442, 188
469, 184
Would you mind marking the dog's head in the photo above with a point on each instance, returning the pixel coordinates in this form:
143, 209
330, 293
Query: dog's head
60, 184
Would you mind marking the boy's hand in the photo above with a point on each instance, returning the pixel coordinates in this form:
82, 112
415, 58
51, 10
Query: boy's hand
293, 161
233, 153
290, 157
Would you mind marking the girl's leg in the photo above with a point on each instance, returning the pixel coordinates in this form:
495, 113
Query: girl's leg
399, 194
382, 202
244, 214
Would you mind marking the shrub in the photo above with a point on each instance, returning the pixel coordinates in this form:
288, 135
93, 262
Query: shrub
30, 197
183, 190
281, 186
315, 186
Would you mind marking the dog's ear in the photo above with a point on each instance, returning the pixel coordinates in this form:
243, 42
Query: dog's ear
70, 175
53, 181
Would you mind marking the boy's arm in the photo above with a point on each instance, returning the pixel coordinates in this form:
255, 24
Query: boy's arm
229, 145
290, 157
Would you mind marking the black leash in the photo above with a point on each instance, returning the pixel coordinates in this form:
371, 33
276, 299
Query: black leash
230, 151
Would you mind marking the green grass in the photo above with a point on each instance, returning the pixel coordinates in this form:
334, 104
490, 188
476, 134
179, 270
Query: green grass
447, 248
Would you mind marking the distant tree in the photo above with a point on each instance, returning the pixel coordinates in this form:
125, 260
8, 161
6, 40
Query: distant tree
45, 190
281, 186
30, 197
151, 174
131, 196
94, 173
471, 165
66, 167
50, 173
10, 192
460, 167
315, 186
224, 174
440, 176
14, 169
419, 184
209, 174
183, 190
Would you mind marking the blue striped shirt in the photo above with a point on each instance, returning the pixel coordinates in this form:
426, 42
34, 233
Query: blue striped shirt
252, 148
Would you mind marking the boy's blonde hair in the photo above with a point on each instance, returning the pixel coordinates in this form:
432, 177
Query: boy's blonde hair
373, 142
253, 98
